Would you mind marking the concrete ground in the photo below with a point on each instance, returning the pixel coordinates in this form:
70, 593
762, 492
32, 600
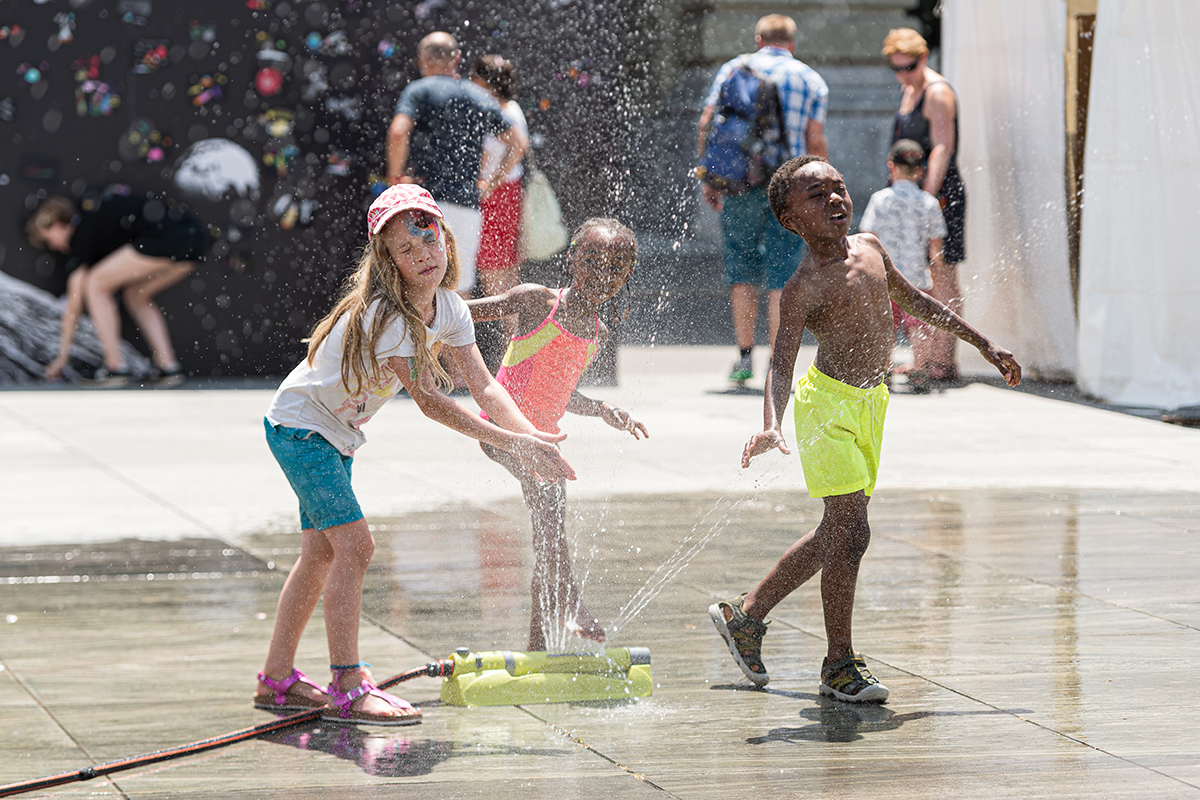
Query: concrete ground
1029, 597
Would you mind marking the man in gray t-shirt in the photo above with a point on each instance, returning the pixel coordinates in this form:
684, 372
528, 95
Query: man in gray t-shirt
436, 140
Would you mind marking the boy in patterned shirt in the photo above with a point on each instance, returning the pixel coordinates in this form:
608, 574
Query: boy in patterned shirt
909, 223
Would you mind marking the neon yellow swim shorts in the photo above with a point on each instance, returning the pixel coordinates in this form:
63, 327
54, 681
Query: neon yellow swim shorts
839, 433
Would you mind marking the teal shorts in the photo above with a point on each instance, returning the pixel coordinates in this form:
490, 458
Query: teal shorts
319, 475
839, 434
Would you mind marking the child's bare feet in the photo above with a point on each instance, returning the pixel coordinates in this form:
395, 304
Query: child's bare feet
584, 625
581, 623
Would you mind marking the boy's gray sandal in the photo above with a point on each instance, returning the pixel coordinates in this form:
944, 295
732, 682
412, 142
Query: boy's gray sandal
743, 635
849, 680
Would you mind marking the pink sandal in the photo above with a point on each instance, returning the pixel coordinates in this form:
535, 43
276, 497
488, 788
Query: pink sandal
340, 711
281, 701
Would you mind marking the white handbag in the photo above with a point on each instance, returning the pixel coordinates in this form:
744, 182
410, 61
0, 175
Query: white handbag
543, 233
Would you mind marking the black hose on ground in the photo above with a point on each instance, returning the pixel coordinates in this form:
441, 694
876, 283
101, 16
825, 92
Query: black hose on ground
434, 669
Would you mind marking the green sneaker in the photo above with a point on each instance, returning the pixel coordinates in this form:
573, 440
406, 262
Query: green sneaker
743, 370
849, 680
743, 635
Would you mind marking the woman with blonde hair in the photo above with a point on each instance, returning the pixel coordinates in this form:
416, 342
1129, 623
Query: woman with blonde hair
928, 115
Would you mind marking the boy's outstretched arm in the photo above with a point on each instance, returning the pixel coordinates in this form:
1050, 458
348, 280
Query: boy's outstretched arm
793, 313
927, 309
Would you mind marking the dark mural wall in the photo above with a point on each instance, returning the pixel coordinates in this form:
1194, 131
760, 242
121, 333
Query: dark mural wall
268, 120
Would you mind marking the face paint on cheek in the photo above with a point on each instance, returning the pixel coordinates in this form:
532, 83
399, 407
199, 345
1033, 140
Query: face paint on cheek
430, 234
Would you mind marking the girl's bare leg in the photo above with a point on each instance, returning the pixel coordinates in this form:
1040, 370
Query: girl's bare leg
555, 594
352, 546
297, 602
120, 268
139, 302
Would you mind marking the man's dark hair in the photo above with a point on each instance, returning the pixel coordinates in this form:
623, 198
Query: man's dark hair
777, 190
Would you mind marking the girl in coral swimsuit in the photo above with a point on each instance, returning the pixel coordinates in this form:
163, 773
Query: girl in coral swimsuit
559, 333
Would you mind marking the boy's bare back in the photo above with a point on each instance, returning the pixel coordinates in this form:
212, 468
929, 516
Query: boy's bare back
843, 301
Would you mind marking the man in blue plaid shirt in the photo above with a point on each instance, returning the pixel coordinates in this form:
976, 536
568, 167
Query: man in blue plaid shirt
756, 246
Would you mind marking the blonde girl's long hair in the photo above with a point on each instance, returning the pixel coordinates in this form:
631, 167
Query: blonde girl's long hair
377, 278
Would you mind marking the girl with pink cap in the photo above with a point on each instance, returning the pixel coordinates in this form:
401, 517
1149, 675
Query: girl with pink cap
398, 311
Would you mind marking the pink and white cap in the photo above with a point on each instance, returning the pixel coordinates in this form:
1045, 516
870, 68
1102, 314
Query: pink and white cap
401, 197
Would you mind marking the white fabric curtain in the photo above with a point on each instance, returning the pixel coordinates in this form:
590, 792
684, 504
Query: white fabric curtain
1005, 61
1139, 323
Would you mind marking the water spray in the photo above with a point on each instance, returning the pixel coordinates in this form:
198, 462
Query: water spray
688, 548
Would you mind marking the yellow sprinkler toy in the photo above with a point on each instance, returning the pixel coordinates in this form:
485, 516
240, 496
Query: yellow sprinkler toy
507, 678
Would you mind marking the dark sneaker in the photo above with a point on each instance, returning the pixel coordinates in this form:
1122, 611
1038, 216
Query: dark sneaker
849, 680
743, 370
105, 378
744, 635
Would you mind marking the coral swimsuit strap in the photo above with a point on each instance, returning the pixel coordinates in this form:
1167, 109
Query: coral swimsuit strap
550, 318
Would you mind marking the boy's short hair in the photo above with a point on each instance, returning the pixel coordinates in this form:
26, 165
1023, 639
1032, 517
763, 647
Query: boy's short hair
907, 153
906, 42
777, 189
51, 210
776, 29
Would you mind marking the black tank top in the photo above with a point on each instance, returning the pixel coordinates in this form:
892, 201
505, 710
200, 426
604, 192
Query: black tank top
915, 126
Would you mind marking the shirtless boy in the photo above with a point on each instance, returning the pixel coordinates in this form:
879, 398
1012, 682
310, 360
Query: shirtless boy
841, 293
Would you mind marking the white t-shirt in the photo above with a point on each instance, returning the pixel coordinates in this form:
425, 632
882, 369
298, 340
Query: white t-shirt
493, 148
905, 218
313, 397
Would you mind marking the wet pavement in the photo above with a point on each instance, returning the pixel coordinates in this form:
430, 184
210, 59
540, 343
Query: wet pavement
1029, 597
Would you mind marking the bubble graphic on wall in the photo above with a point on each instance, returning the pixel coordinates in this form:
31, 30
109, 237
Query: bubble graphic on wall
216, 168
